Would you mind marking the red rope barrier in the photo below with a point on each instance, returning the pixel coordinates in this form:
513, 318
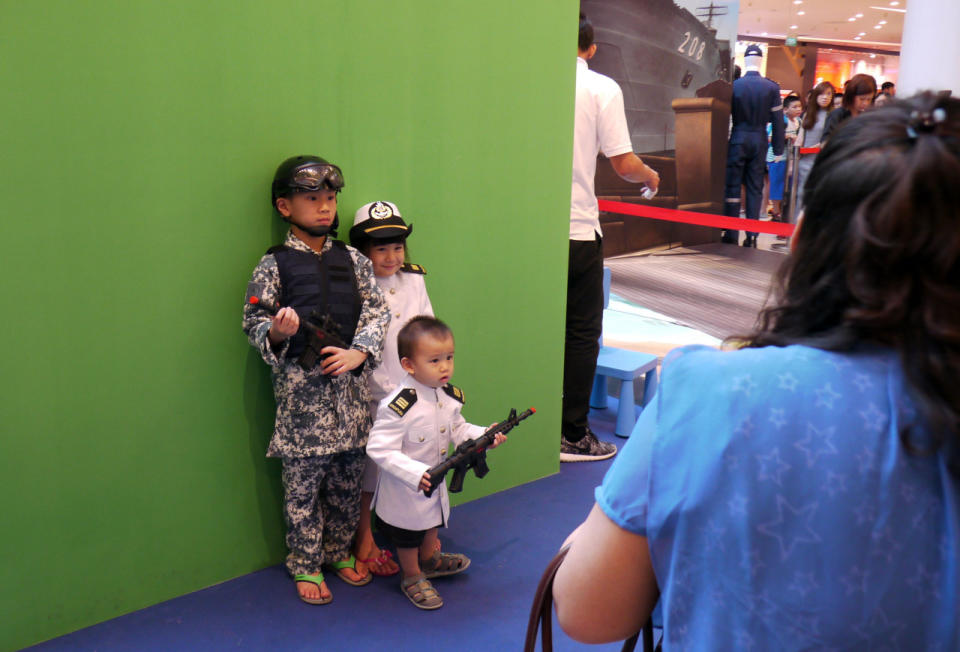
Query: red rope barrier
701, 219
809, 150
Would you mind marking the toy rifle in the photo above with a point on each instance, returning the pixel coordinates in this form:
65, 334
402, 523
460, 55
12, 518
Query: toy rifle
320, 329
472, 454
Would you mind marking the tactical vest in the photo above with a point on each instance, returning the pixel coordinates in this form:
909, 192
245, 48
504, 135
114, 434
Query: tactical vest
326, 284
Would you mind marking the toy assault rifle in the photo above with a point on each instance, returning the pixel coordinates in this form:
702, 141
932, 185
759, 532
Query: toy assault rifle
320, 329
472, 454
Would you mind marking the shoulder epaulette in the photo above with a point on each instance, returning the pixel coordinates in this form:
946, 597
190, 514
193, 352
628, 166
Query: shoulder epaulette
413, 269
276, 248
454, 392
404, 401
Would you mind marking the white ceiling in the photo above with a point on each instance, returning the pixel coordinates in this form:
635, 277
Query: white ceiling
826, 21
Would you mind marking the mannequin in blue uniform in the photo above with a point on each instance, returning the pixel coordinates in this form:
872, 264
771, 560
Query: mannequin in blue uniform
756, 101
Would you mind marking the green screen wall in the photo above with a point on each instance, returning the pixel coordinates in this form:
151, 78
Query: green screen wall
139, 139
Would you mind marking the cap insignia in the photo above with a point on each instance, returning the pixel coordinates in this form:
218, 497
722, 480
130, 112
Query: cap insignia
380, 211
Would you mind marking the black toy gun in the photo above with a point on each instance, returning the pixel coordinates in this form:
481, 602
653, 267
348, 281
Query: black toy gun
472, 454
320, 329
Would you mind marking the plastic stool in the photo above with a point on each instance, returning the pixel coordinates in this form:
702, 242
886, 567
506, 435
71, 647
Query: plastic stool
626, 366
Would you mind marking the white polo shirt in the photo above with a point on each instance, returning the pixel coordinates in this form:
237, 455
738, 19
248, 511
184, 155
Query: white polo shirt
600, 125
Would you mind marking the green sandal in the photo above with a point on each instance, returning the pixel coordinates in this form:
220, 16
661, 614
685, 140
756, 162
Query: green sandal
351, 563
315, 579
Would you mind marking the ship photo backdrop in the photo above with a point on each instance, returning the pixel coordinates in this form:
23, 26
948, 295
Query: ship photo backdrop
660, 50
671, 58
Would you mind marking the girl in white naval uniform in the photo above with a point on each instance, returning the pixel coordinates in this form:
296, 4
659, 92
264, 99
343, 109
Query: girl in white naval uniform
380, 233
414, 428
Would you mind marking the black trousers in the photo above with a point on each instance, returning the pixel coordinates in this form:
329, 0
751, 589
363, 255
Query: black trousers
746, 163
584, 326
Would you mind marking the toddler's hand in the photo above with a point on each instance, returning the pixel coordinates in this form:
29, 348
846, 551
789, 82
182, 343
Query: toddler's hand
285, 324
498, 439
340, 361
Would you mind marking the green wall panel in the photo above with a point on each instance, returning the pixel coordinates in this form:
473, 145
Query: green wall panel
139, 140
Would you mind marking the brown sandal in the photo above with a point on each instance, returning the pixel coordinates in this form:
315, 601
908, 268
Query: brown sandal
421, 592
444, 563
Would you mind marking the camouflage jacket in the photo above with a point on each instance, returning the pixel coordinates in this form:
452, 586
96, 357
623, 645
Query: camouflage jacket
317, 414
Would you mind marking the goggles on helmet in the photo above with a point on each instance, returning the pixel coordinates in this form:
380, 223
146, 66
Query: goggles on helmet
316, 177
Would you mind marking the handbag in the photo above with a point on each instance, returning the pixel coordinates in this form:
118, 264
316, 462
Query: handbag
541, 615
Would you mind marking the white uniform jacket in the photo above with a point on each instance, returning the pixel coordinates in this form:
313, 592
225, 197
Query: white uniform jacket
405, 446
406, 294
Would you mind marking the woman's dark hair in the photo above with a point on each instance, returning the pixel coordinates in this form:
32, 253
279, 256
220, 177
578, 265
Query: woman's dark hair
585, 39
877, 256
813, 109
858, 85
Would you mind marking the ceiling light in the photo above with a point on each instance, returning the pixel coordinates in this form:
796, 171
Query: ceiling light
851, 19
798, 2
873, 56
862, 34
764, 34
801, 13
859, 15
877, 26
793, 27
856, 38
894, 3
882, 22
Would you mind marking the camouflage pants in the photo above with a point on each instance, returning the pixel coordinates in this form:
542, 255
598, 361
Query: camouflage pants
321, 508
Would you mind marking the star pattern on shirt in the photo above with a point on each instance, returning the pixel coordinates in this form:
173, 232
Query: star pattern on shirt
714, 532
836, 483
873, 418
745, 428
865, 511
788, 381
737, 505
803, 583
826, 396
744, 384
925, 583
816, 442
772, 467
752, 562
792, 526
885, 544
838, 363
878, 627
855, 581
778, 417
862, 382
866, 460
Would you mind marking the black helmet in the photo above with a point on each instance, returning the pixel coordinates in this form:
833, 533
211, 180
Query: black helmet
305, 174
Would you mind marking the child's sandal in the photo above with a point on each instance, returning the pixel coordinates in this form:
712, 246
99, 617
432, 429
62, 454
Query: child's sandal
421, 592
313, 579
444, 563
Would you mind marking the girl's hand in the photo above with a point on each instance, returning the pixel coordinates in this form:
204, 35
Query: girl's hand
340, 361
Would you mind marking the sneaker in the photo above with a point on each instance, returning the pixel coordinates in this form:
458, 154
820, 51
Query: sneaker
588, 449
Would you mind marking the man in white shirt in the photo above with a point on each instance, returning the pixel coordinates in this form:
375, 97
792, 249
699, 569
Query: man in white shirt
600, 126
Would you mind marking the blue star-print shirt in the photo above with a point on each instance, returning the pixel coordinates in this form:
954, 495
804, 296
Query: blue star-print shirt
781, 509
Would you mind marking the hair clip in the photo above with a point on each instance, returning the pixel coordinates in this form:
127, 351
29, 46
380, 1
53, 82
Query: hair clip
925, 121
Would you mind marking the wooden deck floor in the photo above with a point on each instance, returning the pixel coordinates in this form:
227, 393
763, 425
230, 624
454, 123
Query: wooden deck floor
715, 288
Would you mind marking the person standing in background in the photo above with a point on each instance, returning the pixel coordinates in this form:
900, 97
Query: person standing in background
600, 125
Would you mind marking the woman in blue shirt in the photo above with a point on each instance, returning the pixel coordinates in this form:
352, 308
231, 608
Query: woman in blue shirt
803, 492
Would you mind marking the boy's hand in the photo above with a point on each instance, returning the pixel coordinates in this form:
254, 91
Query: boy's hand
340, 361
498, 439
285, 324
425, 482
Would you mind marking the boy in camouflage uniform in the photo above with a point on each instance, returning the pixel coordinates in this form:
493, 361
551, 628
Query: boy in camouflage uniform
322, 418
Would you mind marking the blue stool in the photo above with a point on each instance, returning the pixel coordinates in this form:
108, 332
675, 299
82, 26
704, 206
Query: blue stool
626, 366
